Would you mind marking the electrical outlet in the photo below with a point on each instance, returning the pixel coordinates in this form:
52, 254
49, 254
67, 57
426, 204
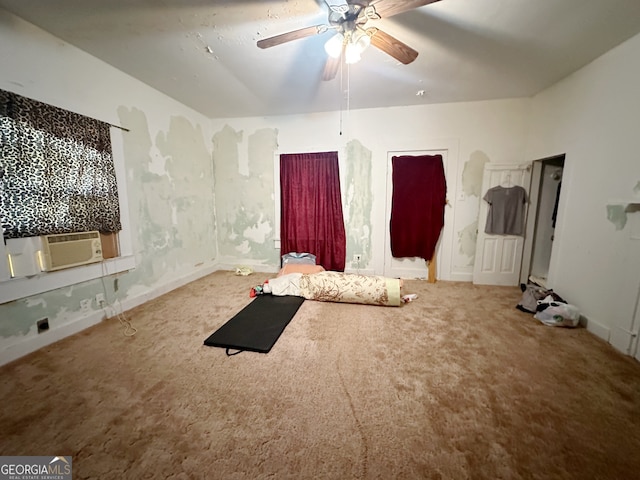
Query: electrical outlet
100, 299
85, 305
357, 257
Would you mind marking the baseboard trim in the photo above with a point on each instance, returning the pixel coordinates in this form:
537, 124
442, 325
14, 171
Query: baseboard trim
258, 267
596, 328
32, 342
37, 341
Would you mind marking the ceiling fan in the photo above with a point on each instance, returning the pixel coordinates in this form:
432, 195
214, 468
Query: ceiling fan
348, 18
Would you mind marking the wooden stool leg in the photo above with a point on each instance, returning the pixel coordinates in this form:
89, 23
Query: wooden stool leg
432, 269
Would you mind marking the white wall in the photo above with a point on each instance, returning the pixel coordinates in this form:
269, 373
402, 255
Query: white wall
165, 157
494, 131
593, 117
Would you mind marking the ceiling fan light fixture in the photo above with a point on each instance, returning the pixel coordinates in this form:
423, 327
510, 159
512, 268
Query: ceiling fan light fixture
351, 53
362, 42
333, 47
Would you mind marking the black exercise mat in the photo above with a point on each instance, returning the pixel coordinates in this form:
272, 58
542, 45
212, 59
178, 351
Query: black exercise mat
257, 326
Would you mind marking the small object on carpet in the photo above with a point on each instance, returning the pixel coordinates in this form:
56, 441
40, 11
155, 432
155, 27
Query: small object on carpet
243, 270
257, 327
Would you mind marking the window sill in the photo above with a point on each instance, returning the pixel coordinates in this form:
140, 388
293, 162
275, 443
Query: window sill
17, 288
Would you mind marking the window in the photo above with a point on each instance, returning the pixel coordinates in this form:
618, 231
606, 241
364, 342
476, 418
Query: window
56, 171
58, 174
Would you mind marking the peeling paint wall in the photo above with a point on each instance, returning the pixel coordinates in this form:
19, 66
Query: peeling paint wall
474, 132
472, 174
244, 192
166, 158
359, 202
172, 217
201, 191
467, 238
170, 201
468, 209
617, 215
58, 306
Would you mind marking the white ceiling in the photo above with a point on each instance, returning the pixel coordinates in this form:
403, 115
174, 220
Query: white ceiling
203, 53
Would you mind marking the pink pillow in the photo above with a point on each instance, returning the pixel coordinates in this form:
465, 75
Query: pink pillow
300, 268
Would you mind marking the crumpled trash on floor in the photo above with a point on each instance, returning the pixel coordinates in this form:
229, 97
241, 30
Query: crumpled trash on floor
243, 270
409, 297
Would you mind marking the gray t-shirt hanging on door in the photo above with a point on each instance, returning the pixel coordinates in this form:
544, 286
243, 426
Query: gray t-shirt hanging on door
506, 210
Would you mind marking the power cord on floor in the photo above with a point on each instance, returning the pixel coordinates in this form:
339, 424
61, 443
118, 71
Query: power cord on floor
129, 329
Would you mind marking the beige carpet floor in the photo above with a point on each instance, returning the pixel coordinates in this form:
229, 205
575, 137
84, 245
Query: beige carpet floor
455, 385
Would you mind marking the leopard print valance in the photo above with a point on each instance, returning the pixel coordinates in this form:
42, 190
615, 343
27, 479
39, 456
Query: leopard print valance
56, 171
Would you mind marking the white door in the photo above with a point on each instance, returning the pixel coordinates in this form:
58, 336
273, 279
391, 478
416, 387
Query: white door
499, 257
409, 267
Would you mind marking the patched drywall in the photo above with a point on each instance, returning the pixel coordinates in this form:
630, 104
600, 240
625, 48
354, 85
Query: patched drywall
58, 306
171, 214
359, 201
473, 172
617, 215
244, 193
170, 197
467, 238
190, 173
471, 185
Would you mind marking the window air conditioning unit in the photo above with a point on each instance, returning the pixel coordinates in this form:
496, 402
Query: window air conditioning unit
70, 250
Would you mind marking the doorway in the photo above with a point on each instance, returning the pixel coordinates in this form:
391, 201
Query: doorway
546, 186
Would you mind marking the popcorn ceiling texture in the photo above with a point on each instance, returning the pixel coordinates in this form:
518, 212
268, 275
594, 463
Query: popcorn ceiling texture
456, 384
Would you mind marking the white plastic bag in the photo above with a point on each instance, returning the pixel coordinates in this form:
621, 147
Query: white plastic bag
559, 314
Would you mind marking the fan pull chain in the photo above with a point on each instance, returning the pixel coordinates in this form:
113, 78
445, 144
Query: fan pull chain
341, 90
348, 94
348, 91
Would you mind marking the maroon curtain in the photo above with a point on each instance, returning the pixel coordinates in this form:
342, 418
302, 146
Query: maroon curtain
311, 208
417, 205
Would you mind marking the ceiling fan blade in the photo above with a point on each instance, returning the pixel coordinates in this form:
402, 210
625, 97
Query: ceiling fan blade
392, 46
331, 68
290, 36
338, 6
388, 8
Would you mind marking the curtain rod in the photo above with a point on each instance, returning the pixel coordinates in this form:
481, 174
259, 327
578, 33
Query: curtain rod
117, 126
61, 108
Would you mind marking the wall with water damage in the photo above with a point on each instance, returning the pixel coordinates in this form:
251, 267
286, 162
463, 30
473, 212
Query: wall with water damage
203, 194
593, 117
166, 162
246, 169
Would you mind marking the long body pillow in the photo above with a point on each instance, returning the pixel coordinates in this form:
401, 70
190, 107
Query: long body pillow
328, 286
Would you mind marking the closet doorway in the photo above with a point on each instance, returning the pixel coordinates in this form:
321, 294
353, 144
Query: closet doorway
546, 186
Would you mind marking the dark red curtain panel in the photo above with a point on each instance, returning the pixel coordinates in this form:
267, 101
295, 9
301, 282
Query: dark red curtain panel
311, 208
417, 205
